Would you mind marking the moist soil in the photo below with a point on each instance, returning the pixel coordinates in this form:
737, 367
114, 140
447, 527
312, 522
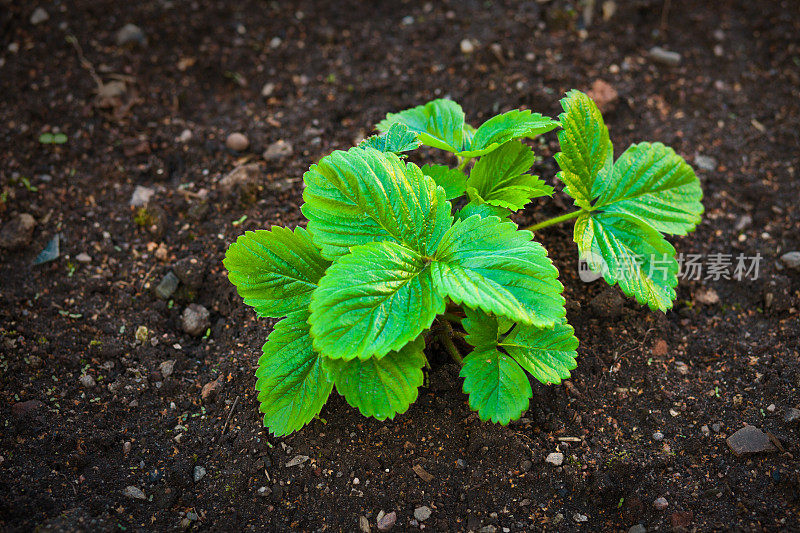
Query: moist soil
646, 413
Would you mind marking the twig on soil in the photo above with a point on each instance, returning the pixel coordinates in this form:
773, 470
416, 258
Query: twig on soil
446, 339
230, 414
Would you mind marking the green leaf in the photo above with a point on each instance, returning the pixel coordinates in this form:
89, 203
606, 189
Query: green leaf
398, 138
439, 123
363, 195
547, 353
586, 155
452, 180
498, 388
372, 301
630, 253
487, 264
46, 138
276, 270
499, 177
292, 384
480, 208
653, 183
383, 387
514, 124
59, 138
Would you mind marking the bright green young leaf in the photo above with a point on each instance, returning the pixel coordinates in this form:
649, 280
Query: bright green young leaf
499, 177
586, 155
452, 180
292, 384
653, 183
477, 206
363, 195
439, 123
276, 270
630, 253
398, 138
372, 301
383, 387
547, 353
497, 387
488, 264
498, 130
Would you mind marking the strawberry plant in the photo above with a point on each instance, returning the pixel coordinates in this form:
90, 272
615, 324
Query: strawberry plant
395, 255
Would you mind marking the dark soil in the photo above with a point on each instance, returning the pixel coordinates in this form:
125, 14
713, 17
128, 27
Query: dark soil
337, 69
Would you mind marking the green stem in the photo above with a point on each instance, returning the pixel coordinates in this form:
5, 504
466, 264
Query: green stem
447, 341
464, 163
556, 220
452, 317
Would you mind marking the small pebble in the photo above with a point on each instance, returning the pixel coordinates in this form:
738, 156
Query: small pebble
278, 150
422, 513
167, 286
791, 260
17, 232
264, 491
386, 521
195, 320
578, 517
131, 34
198, 473
660, 503
126, 447
705, 162
142, 334
750, 440
705, 430
771, 408
637, 528
555, 458
134, 492
665, 57
658, 436
467, 46
38, 16
237, 142
267, 89
716, 427
141, 196
792, 415
363, 524
83, 257
167, 368
87, 381
525, 465
185, 136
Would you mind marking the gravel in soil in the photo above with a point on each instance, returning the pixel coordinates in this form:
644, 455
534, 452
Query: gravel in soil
121, 409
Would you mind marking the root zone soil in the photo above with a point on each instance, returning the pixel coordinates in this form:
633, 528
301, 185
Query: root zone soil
654, 396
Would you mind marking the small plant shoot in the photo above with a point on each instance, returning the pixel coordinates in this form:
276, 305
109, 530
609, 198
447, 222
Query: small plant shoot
398, 259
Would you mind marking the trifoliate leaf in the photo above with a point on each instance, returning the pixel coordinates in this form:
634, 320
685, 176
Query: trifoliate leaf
547, 353
439, 123
452, 180
514, 124
383, 387
630, 253
363, 195
398, 138
276, 270
372, 301
499, 177
292, 384
478, 207
653, 183
586, 152
497, 387
488, 264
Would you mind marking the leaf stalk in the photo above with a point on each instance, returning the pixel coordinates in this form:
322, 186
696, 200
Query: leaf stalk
556, 220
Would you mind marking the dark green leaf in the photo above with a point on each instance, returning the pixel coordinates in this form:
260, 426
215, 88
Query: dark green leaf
497, 387
499, 177
276, 270
372, 301
439, 123
514, 124
292, 385
630, 253
363, 195
452, 180
398, 138
488, 264
383, 387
